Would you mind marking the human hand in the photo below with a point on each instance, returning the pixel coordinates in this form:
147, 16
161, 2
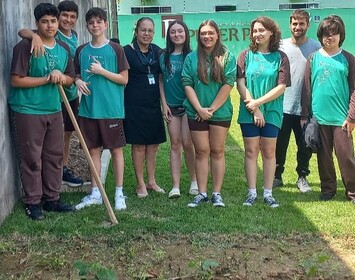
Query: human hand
37, 47
83, 87
251, 105
95, 67
348, 127
56, 77
303, 122
259, 120
167, 114
203, 114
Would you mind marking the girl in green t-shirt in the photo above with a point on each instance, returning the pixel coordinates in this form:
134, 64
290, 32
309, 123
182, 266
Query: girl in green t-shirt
172, 97
263, 75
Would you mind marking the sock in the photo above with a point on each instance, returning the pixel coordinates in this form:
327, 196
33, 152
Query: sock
252, 191
95, 192
267, 192
204, 194
119, 190
216, 193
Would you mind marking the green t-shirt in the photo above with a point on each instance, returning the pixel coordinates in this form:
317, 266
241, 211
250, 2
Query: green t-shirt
206, 94
43, 99
72, 42
106, 100
174, 92
263, 72
330, 88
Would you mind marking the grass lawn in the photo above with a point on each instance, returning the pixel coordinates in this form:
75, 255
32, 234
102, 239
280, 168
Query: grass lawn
158, 238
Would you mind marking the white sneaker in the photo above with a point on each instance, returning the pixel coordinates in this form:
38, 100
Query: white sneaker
303, 185
174, 193
88, 201
193, 188
120, 202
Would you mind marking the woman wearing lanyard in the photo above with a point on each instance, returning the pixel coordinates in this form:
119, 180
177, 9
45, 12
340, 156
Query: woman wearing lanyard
144, 126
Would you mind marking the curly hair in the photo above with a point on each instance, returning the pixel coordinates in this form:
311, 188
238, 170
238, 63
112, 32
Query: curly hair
270, 25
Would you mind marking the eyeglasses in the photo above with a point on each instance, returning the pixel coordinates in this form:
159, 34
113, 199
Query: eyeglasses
149, 31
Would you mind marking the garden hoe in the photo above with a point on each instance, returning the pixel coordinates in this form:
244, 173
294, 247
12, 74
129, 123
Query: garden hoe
88, 157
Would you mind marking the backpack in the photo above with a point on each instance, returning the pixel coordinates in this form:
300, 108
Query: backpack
311, 135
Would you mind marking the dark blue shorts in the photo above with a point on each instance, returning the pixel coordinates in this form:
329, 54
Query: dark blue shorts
251, 130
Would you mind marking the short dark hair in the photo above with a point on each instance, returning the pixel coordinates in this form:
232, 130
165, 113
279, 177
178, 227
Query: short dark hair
298, 14
96, 12
332, 24
44, 9
68, 6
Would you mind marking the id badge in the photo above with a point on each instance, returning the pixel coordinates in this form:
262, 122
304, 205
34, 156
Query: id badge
151, 79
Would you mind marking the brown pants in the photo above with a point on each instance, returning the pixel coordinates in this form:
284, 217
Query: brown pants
334, 136
39, 141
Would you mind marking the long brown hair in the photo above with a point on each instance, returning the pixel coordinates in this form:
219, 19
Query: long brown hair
217, 57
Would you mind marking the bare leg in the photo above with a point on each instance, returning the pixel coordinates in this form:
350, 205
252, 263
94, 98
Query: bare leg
118, 165
96, 158
175, 150
151, 156
268, 147
202, 149
138, 156
218, 135
189, 150
252, 147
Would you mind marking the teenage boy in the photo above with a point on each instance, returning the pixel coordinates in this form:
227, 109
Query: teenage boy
68, 15
36, 109
101, 72
329, 94
297, 48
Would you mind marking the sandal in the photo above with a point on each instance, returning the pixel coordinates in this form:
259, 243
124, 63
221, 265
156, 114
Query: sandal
154, 187
141, 192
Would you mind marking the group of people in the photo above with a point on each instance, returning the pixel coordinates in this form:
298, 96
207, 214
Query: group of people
127, 93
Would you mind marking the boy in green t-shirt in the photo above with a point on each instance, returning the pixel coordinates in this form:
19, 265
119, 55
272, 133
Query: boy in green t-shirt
68, 15
101, 70
36, 111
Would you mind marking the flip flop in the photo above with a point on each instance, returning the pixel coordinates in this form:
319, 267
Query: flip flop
141, 192
155, 188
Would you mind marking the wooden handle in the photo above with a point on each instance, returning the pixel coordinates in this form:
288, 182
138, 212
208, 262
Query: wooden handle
88, 156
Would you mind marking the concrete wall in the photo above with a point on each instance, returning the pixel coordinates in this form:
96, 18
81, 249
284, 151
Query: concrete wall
14, 15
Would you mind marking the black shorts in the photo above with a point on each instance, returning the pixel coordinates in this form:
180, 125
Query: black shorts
177, 111
106, 133
195, 125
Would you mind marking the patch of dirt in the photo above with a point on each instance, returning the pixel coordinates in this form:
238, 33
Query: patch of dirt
173, 257
77, 159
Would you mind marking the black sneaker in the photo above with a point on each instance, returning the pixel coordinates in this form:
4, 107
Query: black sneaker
326, 196
269, 200
350, 196
277, 183
69, 178
57, 206
198, 199
217, 200
250, 200
34, 212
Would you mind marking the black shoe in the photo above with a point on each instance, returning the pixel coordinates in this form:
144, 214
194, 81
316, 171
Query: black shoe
326, 196
57, 206
34, 212
277, 183
69, 178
